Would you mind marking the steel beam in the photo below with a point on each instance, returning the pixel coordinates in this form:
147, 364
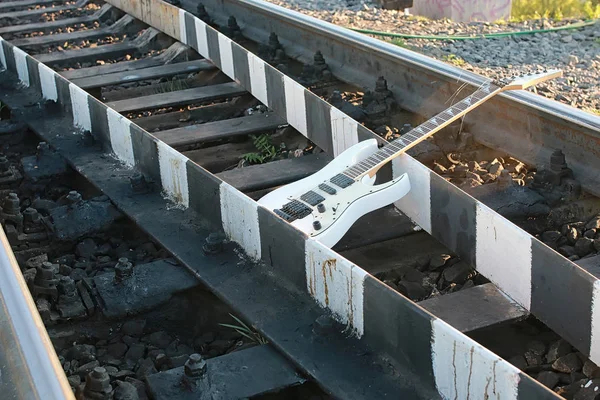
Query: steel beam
29, 367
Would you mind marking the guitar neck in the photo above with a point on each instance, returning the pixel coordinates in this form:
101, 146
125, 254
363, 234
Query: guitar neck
371, 165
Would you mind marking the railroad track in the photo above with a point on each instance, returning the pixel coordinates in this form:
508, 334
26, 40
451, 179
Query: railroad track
161, 104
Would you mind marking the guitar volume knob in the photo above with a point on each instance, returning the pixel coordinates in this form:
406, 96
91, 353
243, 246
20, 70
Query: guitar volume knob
316, 225
321, 207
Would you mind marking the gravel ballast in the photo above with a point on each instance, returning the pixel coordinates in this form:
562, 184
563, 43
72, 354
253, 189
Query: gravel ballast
575, 51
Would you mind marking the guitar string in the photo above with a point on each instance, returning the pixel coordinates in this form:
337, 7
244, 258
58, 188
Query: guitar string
429, 125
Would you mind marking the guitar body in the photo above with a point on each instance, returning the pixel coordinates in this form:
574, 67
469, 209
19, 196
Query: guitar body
338, 212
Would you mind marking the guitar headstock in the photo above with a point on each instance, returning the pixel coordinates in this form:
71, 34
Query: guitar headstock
525, 81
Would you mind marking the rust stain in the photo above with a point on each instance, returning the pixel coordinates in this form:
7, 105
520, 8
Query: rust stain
454, 371
470, 374
328, 265
311, 276
175, 164
350, 305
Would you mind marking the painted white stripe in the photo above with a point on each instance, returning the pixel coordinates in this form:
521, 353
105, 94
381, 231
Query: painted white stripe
48, 82
2, 55
595, 336
336, 284
21, 63
226, 54
416, 205
295, 105
463, 369
80, 107
239, 215
120, 136
182, 31
201, 38
344, 131
258, 78
173, 174
503, 254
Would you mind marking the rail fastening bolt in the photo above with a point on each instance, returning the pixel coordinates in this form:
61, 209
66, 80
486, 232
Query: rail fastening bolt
73, 197
274, 41
213, 243
66, 286
123, 269
323, 325
558, 161
31, 215
12, 205
195, 366
45, 274
138, 183
232, 23
98, 381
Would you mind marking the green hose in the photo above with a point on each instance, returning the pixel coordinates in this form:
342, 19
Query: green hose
482, 36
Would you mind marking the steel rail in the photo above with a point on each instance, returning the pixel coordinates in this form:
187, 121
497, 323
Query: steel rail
29, 367
525, 125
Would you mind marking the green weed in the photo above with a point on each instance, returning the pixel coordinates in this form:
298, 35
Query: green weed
592, 11
454, 60
399, 42
245, 331
592, 110
266, 151
557, 9
418, 18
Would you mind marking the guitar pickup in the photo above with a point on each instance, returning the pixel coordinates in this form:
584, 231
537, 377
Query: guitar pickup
327, 189
312, 198
342, 181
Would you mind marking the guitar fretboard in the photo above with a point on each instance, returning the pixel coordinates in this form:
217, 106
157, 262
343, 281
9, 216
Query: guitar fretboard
416, 135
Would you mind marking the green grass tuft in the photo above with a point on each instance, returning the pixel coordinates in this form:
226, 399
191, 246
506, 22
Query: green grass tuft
557, 9
245, 331
399, 42
592, 110
454, 60
266, 150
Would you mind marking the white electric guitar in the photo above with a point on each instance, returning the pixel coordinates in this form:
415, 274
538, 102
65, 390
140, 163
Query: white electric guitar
326, 204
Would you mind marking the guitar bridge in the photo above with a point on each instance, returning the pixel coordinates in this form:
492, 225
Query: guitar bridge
284, 215
293, 210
